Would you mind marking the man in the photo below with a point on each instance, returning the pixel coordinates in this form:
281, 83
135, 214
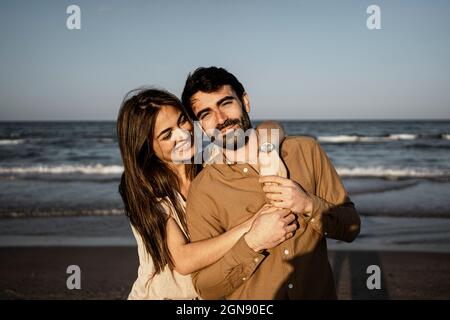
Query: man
225, 194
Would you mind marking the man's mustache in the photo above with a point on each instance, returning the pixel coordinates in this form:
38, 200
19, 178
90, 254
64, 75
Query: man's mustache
228, 123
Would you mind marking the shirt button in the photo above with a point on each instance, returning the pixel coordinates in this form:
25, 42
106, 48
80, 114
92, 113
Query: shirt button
286, 251
326, 233
245, 170
244, 278
290, 285
256, 259
312, 220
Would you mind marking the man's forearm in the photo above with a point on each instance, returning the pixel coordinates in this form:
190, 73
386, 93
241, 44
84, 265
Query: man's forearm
223, 277
337, 221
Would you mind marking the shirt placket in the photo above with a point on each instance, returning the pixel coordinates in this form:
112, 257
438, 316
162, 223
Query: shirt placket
284, 250
287, 252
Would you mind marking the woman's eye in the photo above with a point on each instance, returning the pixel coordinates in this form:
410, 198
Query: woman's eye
183, 119
168, 135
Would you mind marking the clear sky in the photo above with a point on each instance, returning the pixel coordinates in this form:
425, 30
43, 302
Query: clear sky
296, 59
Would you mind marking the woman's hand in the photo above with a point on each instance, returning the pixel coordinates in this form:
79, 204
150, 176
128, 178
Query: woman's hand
266, 208
271, 228
285, 193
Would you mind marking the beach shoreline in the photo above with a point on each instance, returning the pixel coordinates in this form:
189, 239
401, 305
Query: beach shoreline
377, 233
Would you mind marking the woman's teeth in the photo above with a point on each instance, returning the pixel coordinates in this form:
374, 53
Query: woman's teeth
182, 145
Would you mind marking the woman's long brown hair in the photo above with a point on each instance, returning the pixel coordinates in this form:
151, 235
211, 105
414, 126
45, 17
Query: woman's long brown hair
147, 181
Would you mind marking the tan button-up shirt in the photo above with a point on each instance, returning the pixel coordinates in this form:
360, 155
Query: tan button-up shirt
224, 195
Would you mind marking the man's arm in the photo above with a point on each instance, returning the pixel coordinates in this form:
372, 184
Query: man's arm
333, 214
272, 132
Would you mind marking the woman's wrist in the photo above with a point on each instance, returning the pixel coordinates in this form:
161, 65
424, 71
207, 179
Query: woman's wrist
245, 226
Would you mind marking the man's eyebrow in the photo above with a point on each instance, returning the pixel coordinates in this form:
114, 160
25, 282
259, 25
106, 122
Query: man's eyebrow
218, 103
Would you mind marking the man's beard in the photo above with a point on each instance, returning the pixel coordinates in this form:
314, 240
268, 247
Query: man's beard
234, 139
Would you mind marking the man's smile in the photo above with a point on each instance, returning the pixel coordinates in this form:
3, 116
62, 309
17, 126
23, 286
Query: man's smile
226, 130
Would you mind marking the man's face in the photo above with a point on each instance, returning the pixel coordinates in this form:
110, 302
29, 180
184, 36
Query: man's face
222, 110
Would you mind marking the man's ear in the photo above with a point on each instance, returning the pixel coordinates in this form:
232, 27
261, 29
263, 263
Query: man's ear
246, 101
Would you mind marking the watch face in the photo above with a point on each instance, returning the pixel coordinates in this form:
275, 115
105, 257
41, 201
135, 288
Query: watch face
267, 147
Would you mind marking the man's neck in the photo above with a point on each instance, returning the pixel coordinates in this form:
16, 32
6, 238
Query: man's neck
246, 154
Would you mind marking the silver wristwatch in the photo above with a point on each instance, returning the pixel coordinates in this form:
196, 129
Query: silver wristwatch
266, 147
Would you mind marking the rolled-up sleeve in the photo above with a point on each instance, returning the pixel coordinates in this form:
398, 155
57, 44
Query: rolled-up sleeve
333, 213
222, 277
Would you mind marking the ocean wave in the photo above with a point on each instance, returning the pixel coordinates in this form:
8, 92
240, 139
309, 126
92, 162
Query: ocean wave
348, 138
391, 137
402, 136
5, 142
64, 169
381, 171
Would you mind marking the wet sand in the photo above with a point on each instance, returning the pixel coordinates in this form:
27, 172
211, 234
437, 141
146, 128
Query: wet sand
109, 272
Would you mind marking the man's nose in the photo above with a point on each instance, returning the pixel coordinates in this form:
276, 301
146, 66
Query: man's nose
221, 117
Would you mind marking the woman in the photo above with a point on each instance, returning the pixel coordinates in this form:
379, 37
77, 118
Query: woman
155, 136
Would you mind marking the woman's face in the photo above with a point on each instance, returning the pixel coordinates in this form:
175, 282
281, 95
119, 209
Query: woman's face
173, 138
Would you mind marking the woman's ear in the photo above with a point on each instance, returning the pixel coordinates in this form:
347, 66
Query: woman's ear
246, 101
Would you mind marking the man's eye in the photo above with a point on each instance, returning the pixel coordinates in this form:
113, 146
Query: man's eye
226, 102
204, 115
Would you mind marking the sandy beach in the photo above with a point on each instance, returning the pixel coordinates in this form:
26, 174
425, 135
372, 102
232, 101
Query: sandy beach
109, 272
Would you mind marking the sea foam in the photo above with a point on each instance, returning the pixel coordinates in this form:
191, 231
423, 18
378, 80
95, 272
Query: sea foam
62, 169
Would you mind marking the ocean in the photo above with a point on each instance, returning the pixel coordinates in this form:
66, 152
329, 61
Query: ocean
59, 180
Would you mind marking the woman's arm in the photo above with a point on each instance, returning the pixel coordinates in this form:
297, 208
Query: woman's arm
191, 257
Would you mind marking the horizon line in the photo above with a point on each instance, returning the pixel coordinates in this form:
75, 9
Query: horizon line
265, 119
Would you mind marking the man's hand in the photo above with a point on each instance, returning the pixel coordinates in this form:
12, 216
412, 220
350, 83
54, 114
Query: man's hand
285, 193
271, 228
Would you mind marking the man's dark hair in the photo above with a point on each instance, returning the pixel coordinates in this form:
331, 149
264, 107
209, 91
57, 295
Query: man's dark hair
209, 80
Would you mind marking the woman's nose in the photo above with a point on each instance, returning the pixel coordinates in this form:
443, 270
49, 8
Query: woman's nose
180, 134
